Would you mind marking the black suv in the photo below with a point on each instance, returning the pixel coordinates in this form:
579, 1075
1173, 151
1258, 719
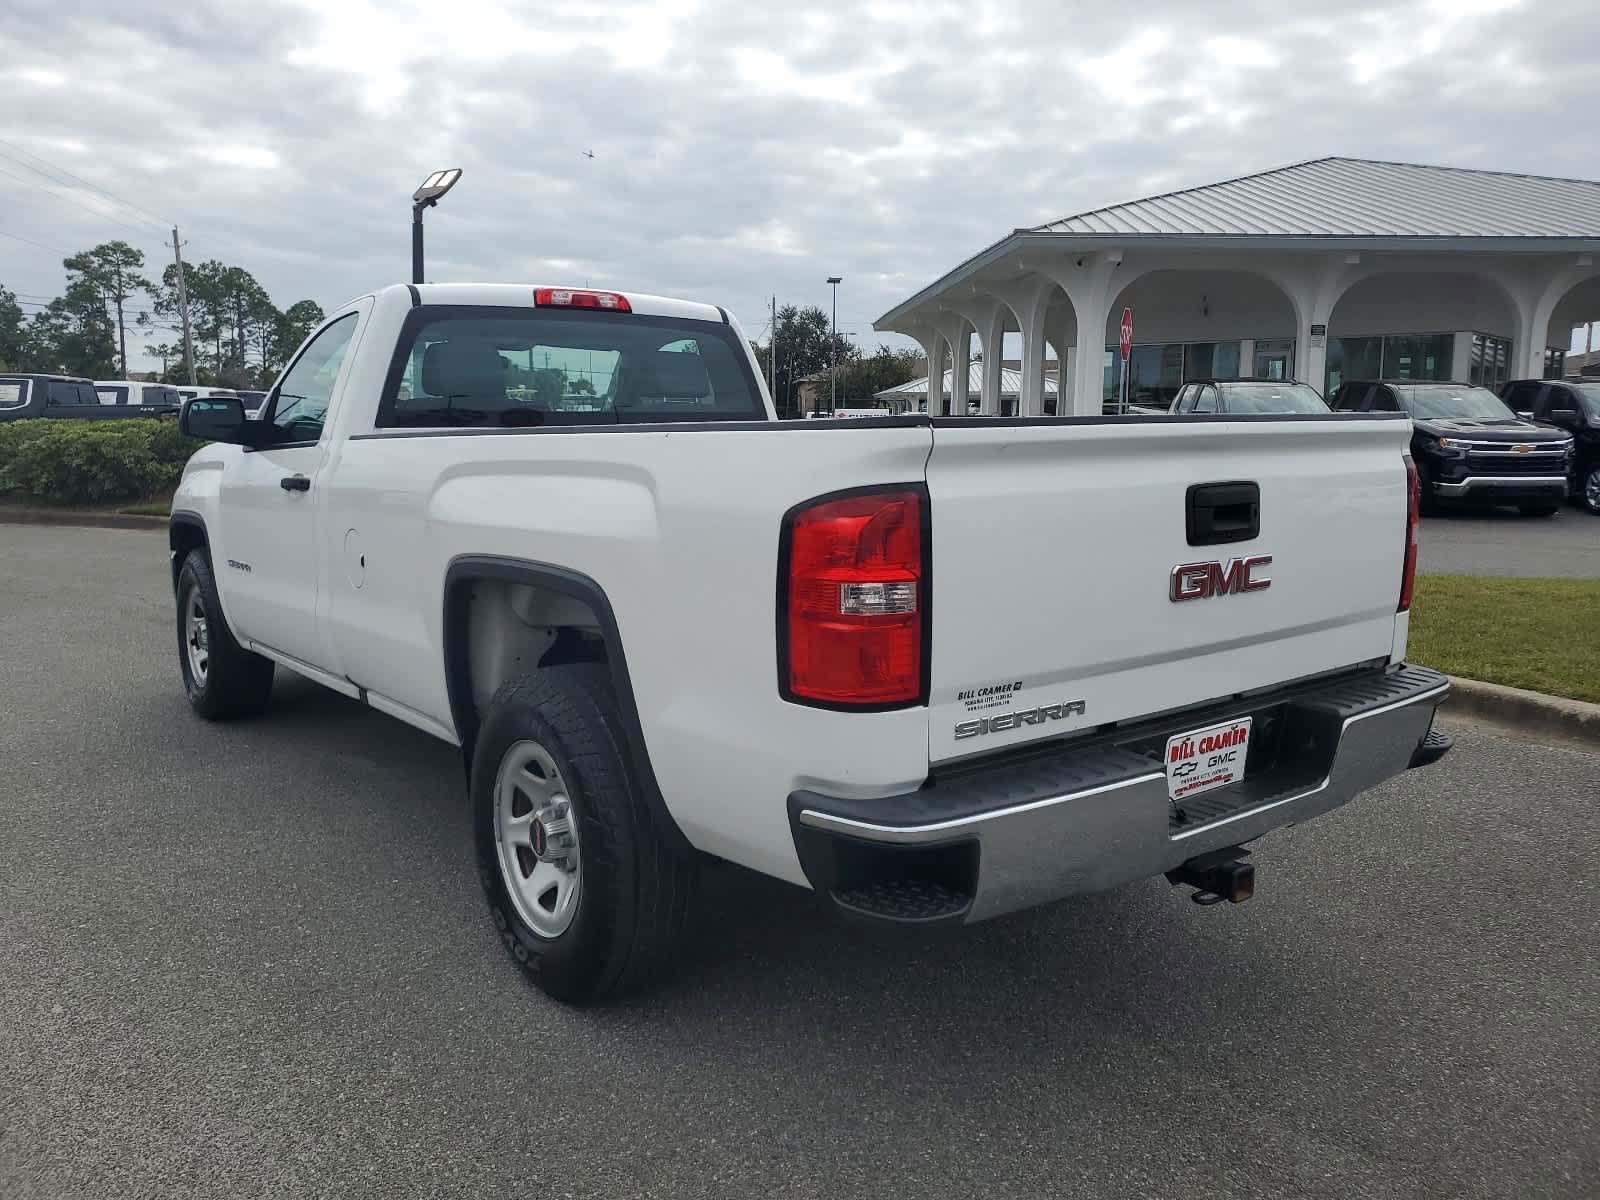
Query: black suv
23, 396
1572, 406
1468, 446
1247, 396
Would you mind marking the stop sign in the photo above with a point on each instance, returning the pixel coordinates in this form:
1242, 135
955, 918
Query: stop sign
1127, 332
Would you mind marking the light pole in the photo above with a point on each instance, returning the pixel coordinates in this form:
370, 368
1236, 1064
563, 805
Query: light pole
833, 397
426, 196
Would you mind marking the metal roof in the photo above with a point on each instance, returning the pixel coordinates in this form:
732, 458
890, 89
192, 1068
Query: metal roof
1010, 383
1352, 197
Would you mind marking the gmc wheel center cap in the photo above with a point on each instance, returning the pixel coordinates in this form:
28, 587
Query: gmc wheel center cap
539, 838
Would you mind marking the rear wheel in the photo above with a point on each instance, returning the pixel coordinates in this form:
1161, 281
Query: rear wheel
587, 894
1538, 510
222, 679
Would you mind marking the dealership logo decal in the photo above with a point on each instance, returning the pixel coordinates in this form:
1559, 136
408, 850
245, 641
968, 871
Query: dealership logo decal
1197, 581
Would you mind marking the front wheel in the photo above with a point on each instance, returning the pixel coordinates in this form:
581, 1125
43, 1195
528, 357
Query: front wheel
587, 894
223, 680
1589, 496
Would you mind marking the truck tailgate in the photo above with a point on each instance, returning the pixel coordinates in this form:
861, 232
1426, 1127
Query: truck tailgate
1054, 547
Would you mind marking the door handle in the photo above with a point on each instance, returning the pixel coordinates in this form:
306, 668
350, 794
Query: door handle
295, 483
1219, 513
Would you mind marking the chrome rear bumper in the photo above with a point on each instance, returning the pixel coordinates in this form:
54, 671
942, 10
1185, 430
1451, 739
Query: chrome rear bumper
1024, 831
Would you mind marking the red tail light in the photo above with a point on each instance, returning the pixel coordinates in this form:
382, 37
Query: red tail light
574, 298
853, 600
1408, 575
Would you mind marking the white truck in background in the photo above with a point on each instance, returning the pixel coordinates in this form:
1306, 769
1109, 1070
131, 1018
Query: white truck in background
935, 669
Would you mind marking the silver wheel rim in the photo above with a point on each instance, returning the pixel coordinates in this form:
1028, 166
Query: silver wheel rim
196, 637
536, 837
1591, 490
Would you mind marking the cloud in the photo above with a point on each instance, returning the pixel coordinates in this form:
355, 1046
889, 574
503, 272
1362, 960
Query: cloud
739, 150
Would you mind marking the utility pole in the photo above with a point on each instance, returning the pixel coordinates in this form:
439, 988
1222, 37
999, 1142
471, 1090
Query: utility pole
183, 308
772, 357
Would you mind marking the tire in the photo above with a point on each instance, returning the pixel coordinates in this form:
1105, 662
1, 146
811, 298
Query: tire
1538, 510
223, 680
1589, 491
1427, 503
603, 912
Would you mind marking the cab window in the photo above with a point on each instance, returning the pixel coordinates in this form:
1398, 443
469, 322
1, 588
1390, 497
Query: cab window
300, 401
514, 368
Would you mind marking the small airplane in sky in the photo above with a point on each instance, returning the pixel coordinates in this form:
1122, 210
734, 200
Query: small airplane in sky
588, 153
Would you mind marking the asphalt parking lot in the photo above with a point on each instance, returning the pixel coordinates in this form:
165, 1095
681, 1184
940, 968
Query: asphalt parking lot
1502, 541
252, 961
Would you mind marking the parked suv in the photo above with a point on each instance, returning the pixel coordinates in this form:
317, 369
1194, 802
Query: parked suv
136, 392
1256, 396
1468, 446
1573, 406
24, 396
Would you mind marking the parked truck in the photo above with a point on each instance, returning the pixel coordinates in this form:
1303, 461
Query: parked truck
935, 669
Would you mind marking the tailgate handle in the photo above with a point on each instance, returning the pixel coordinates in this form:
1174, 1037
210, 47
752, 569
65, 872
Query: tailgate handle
1219, 513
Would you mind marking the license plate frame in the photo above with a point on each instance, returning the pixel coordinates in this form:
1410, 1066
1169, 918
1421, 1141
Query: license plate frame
1201, 760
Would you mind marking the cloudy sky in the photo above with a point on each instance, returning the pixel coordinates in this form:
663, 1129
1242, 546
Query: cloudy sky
740, 149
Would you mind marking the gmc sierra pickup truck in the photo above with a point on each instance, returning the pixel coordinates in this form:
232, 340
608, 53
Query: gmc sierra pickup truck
935, 669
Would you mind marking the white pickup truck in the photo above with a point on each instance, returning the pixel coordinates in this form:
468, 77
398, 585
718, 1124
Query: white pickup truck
936, 669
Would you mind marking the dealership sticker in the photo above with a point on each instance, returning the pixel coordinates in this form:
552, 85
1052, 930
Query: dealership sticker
1207, 758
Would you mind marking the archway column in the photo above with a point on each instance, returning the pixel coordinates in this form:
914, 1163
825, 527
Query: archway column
1029, 301
992, 339
1091, 284
958, 336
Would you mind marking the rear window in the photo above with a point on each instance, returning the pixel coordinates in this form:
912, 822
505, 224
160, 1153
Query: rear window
508, 368
13, 392
112, 395
160, 395
1271, 398
67, 393
1443, 401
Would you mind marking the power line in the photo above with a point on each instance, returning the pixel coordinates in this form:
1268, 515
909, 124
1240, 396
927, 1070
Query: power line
17, 237
60, 170
70, 199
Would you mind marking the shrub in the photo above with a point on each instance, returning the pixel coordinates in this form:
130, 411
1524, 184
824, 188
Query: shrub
85, 462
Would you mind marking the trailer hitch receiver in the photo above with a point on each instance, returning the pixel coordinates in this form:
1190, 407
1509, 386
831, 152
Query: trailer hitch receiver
1217, 876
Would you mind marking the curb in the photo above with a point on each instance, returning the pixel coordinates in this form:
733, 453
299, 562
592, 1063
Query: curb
104, 520
1523, 711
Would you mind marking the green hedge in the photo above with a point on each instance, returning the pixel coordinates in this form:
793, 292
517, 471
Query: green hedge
87, 462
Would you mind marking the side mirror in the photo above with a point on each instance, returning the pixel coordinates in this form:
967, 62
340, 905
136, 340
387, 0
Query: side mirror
1563, 416
215, 419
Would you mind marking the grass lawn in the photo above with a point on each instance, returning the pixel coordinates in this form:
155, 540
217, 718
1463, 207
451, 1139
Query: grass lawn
1540, 634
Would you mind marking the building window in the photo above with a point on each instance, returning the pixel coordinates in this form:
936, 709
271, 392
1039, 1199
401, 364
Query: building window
1490, 361
1353, 358
1555, 362
1157, 370
1418, 355
1274, 359
1391, 356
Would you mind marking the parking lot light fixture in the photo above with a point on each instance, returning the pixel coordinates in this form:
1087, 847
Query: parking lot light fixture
834, 281
432, 190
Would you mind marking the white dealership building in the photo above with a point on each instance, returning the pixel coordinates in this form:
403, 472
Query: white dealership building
1325, 270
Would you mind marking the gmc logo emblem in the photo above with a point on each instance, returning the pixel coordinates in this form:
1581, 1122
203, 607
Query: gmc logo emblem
1196, 581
